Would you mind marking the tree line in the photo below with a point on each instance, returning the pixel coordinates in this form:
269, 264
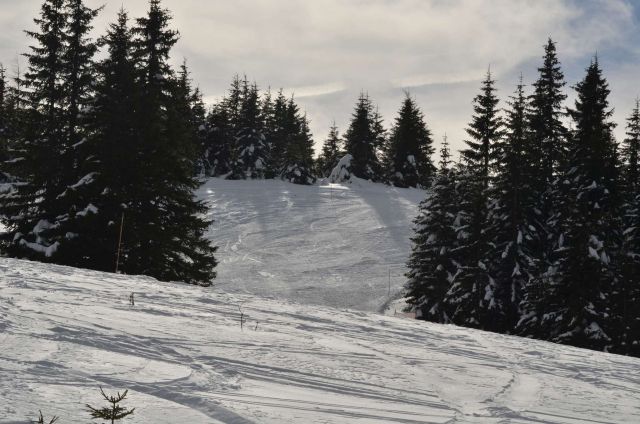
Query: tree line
536, 230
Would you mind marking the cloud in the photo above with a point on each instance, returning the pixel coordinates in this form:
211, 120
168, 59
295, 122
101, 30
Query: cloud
328, 51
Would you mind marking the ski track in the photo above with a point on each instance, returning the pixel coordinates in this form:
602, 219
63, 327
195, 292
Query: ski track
309, 266
181, 353
325, 244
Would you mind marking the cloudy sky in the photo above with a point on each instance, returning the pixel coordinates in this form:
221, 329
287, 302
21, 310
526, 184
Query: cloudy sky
327, 51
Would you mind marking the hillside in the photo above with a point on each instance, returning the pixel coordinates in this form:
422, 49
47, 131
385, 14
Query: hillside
326, 244
183, 356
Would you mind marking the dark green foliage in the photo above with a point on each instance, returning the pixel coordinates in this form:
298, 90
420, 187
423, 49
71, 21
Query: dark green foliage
45, 206
363, 139
627, 302
165, 235
4, 126
473, 294
547, 130
331, 153
432, 266
514, 238
251, 153
409, 149
298, 164
99, 141
484, 131
114, 412
578, 291
630, 151
220, 132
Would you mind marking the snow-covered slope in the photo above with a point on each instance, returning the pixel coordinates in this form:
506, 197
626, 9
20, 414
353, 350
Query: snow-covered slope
183, 356
328, 244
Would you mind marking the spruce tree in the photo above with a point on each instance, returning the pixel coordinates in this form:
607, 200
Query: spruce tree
432, 268
219, 141
4, 126
165, 236
473, 297
114, 140
298, 165
409, 150
251, 158
44, 209
547, 130
363, 139
581, 285
331, 152
627, 303
281, 127
549, 144
513, 237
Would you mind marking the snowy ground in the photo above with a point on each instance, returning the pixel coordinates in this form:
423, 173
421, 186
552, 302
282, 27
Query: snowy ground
181, 353
327, 244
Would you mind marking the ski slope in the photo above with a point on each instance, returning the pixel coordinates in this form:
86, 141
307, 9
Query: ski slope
329, 244
184, 358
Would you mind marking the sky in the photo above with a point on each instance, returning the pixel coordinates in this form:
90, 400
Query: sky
327, 52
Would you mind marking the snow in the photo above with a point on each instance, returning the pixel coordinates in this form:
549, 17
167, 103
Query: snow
87, 179
325, 244
342, 171
182, 355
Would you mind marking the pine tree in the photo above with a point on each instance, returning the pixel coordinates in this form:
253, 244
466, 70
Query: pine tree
114, 412
513, 237
251, 157
582, 282
627, 303
222, 126
408, 155
549, 139
4, 126
630, 151
165, 236
548, 132
432, 267
44, 207
281, 127
114, 143
298, 165
331, 152
219, 141
362, 140
473, 294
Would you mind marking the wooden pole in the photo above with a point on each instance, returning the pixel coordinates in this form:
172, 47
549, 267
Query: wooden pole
119, 243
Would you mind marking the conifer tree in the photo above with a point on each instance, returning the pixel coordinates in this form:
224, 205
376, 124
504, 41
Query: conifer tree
582, 282
165, 237
4, 126
251, 157
112, 126
44, 208
547, 130
363, 139
432, 268
473, 295
549, 144
219, 141
409, 150
281, 127
298, 167
627, 303
331, 152
513, 237
222, 126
